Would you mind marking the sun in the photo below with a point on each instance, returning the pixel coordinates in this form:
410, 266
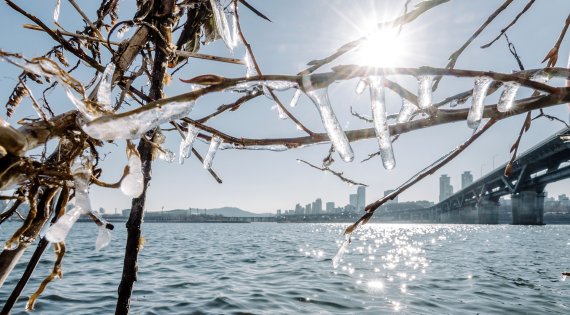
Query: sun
382, 47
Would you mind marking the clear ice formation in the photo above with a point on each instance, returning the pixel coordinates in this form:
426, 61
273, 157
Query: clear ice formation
337, 136
103, 238
378, 106
166, 155
361, 86
249, 64
59, 230
280, 112
104, 89
541, 77
222, 25
132, 185
56, 10
137, 122
425, 83
507, 98
186, 144
214, 145
295, 98
336, 259
479, 93
273, 147
406, 112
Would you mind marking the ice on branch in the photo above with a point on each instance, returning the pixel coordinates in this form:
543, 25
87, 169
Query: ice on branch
406, 112
272, 147
378, 106
507, 98
295, 98
479, 93
320, 98
104, 89
134, 124
280, 112
336, 259
541, 77
214, 145
361, 86
103, 238
222, 25
425, 83
133, 183
123, 30
186, 144
56, 10
249, 65
166, 155
58, 232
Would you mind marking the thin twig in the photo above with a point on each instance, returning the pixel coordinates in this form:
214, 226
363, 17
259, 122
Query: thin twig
335, 173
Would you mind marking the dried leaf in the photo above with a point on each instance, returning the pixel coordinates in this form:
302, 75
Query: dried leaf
552, 57
508, 169
206, 79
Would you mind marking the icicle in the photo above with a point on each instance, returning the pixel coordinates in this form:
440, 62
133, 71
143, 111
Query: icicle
336, 259
425, 83
280, 112
337, 136
105, 88
138, 122
361, 86
406, 112
166, 155
378, 105
132, 185
58, 231
479, 93
295, 98
123, 30
222, 23
214, 145
507, 98
103, 238
186, 144
249, 65
56, 10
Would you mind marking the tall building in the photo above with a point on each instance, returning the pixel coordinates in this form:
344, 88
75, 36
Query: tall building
308, 209
353, 201
318, 206
330, 207
361, 198
387, 192
299, 209
466, 179
445, 188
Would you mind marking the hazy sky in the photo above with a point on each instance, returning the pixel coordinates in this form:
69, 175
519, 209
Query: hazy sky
301, 31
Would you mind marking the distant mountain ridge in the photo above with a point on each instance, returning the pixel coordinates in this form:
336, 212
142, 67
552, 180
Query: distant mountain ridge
230, 212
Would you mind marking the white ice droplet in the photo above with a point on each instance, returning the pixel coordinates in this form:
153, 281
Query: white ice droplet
507, 98
295, 98
280, 112
479, 92
57, 10
336, 259
214, 145
249, 64
186, 144
132, 185
105, 87
425, 83
378, 106
361, 86
59, 230
320, 98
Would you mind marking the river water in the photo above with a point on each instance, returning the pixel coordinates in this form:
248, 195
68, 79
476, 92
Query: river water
270, 268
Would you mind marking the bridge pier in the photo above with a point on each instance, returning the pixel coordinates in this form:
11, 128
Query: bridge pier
488, 211
528, 207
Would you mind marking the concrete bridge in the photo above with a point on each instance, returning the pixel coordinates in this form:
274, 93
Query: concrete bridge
547, 162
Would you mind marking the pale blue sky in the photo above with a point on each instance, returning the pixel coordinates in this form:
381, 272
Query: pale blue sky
302, 31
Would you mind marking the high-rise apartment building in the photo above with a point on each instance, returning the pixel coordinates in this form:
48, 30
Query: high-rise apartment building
466, 179
445, 188
361, 198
